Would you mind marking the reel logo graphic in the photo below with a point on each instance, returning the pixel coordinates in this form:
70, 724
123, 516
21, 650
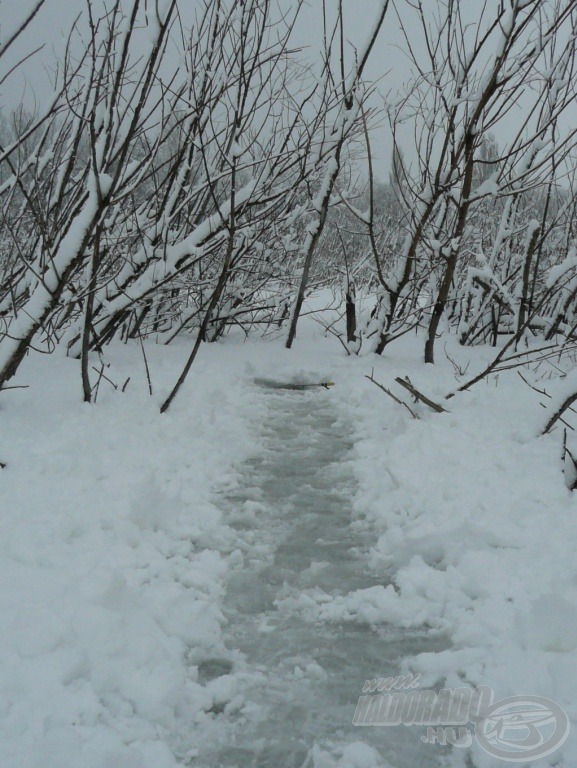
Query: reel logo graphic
515, 729
522, 728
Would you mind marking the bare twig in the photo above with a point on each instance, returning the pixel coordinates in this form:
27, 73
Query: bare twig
406, 383
372, 379
565, 405
146, 366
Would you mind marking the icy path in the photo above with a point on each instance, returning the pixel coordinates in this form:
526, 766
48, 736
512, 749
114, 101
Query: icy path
301, 678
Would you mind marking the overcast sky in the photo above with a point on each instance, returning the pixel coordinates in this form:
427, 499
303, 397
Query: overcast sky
53, 22
55, 18
51, 25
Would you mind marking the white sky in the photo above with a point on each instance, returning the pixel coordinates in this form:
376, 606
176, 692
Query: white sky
55, 18
52, 23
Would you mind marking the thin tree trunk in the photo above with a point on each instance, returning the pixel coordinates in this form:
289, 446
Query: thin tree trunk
351, 314
217, 293
311, 245
447, 281
84, 360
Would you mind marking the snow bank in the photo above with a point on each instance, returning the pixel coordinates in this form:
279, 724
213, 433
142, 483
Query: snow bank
475, 536
474, 530
112, 561
113, 554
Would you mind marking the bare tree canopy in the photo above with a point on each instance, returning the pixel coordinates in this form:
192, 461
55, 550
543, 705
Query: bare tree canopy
154, 198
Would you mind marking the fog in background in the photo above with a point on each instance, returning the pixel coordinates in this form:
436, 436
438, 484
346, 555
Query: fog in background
32, 82
388, 69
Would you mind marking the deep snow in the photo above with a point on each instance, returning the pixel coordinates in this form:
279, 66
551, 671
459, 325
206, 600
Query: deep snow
119, 534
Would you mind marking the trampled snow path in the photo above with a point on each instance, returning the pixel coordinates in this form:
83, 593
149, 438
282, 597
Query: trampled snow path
301, 679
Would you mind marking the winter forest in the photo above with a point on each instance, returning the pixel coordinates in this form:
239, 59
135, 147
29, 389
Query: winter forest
149, 201
256, 295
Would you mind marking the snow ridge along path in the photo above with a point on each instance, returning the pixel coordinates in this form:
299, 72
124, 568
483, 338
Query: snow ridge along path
303, 676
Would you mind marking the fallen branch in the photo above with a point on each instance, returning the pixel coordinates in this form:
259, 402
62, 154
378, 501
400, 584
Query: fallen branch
145, 366
406, 383
390, 394
557, 416
103, 376
546, 394
288, 385
572, 484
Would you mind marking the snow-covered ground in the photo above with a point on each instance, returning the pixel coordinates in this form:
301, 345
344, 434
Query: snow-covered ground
118, 538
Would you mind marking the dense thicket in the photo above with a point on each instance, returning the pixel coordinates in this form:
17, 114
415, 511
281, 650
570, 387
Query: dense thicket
193, 174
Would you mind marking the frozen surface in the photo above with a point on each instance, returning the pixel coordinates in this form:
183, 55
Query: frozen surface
292, 512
